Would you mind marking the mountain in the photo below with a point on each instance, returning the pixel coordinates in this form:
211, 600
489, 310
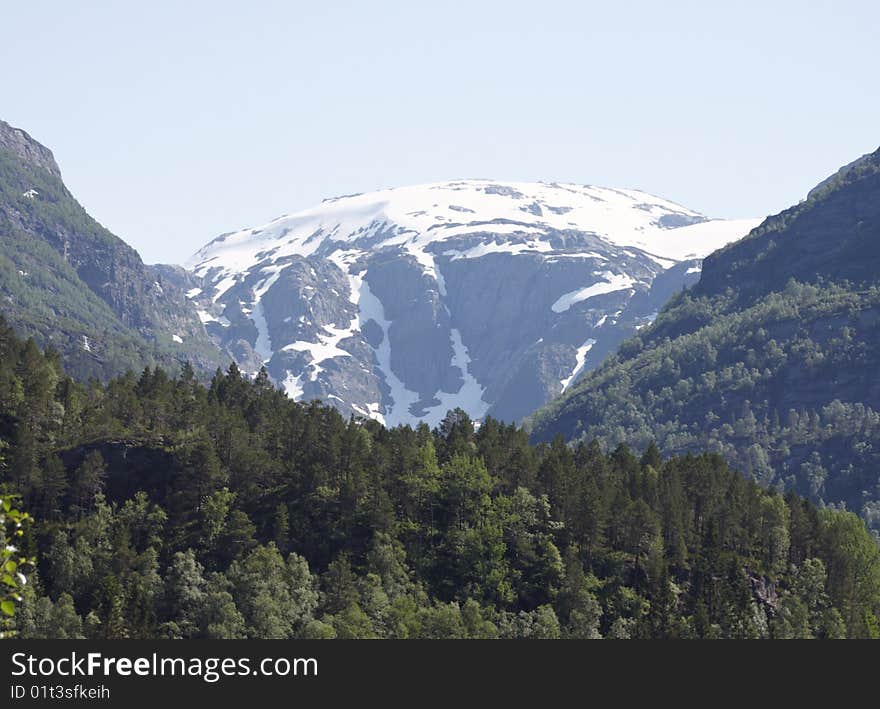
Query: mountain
74, 286
489, 296
771, 359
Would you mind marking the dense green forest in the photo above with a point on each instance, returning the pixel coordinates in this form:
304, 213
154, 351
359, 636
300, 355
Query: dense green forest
165, 508
771, 360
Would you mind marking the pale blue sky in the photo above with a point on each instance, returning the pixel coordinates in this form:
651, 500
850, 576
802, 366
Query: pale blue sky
176, 121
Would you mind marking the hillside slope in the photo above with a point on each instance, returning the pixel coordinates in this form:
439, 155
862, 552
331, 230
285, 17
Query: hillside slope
74, 286
770, 360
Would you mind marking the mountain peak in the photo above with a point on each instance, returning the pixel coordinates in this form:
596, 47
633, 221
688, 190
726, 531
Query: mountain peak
23, 146
491, 296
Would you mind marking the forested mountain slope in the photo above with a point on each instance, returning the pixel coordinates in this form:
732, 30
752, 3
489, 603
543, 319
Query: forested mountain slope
771, 360
76, 287
167, 509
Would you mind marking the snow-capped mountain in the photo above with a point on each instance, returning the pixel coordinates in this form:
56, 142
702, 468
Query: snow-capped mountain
490, 296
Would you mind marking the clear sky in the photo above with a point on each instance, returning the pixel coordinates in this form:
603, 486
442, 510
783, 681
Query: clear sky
176, 121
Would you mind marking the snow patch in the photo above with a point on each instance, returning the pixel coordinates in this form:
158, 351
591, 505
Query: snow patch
293, 387
206, 317
613, 282
327, 347
373, 411
263, 344
469, 397
224, 286
494, 247
580, 360
371, 308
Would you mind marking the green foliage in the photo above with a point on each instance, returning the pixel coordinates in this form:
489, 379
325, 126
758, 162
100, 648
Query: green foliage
180, 511
13, 565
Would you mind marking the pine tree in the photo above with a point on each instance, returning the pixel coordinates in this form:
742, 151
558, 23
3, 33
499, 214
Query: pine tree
88, 481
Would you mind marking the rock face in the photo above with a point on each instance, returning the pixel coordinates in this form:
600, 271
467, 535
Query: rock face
73, 285
493, 297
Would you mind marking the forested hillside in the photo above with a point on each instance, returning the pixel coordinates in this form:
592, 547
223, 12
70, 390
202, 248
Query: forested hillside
771, 360
164, 508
